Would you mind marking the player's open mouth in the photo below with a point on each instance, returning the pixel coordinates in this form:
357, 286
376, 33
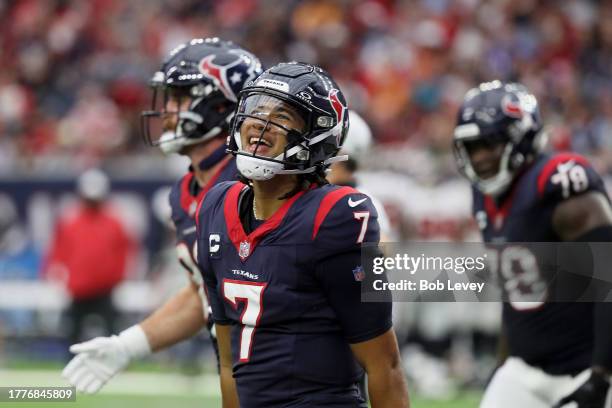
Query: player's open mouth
263, 145
255, 140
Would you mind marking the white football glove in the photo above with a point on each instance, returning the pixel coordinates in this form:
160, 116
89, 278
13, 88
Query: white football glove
100, 359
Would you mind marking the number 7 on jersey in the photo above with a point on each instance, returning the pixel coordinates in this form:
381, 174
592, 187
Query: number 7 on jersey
251, 294
364, 216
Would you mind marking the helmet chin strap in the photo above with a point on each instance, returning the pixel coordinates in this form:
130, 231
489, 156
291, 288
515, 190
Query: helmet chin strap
255, 168
212, 159
169, 143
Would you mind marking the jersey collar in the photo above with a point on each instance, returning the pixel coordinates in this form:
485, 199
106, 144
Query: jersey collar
245, 244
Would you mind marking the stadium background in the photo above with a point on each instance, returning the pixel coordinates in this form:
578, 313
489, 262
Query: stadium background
73, 80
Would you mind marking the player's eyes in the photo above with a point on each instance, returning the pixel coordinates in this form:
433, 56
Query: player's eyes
284, 118
480, 144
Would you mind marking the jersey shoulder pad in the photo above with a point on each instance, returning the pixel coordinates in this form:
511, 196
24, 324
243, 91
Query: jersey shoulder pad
345, 219
564, 175
179, 197
213, 200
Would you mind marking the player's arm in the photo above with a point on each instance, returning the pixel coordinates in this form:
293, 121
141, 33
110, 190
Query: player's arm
183, 315
100, 359
223, 327
588, 218
368, 329
366, 325
578, 216
178, 319
345, 220
380, 357
228, 385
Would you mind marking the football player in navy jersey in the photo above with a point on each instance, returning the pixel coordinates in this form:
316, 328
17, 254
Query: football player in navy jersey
559, 352
194, 98
280, 255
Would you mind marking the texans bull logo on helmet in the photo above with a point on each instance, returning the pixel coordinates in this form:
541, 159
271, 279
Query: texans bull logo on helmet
226, 75
339, 109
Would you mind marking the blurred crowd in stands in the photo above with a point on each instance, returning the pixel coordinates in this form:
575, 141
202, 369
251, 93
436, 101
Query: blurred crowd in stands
74, 78
74, 74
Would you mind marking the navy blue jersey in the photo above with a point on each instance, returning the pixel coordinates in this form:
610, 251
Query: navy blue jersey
557, 337
184, 198
291, 290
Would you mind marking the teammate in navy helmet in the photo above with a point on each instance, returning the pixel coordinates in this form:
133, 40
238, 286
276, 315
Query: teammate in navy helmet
559, 352
194, 98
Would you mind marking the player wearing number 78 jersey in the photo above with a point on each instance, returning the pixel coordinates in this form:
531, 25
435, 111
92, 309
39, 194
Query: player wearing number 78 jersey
280, 256
560, 353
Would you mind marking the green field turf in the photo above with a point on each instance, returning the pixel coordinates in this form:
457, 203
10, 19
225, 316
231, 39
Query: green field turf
154, 389
129, 401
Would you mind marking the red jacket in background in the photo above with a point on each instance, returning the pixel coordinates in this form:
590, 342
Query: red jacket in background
94, 247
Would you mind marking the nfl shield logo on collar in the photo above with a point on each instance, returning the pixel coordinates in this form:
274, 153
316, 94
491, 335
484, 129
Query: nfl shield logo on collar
245, 249
359, 273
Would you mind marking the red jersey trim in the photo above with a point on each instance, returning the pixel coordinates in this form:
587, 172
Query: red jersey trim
187, 199
552, 164
327, 204
245, 244
497, 215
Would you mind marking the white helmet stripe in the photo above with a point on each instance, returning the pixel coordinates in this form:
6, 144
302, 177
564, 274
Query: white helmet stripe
195, 117
331, 132
467, 131
294, 150
335, 159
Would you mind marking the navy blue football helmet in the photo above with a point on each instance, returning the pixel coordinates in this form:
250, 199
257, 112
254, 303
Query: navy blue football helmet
210, 73
498, 113
311, 92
